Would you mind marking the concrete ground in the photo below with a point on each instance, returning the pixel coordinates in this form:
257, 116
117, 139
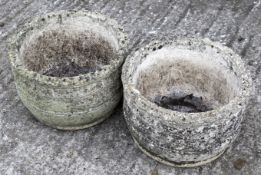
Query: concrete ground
29, 147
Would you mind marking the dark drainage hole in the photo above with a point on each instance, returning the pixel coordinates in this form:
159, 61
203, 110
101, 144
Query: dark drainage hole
69, 70
182, 102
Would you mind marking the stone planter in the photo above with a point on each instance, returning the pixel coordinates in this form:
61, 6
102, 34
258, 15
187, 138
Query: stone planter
212, 73
67, 67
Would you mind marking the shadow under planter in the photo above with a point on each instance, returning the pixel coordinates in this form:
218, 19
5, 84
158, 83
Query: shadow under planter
67, 67
184, 99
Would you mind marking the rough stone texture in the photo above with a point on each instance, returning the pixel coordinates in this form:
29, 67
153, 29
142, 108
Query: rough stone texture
211, 71
70, 102
29, 147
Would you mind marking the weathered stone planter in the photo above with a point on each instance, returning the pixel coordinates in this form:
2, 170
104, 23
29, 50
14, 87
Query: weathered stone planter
67, 67
206, 69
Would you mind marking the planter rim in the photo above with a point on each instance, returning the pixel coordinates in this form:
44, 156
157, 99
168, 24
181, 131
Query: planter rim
80, 79
175, 116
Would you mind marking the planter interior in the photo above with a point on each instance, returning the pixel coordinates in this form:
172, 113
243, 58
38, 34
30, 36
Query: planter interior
68, 48
176, 73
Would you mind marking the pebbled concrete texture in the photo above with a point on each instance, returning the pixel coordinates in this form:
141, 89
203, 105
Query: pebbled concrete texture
29, 147
177, 138
69, 103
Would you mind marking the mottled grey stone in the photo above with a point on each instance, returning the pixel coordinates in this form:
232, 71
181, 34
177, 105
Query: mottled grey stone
194, 66
76, 102
29, 147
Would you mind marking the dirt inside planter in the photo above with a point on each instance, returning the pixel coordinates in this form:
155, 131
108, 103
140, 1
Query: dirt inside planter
66, 53
69, 70
184, 83
182, 102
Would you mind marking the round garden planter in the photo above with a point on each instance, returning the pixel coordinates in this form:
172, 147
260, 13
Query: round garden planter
184, 100
67, 67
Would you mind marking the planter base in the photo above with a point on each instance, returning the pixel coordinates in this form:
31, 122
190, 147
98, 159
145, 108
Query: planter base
177, 164
73, 128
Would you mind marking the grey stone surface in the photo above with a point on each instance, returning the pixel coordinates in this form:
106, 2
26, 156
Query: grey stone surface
69, 103
29, 147
206, 69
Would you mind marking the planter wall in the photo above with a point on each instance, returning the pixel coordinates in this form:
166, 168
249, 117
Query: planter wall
42, 54
191, 66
